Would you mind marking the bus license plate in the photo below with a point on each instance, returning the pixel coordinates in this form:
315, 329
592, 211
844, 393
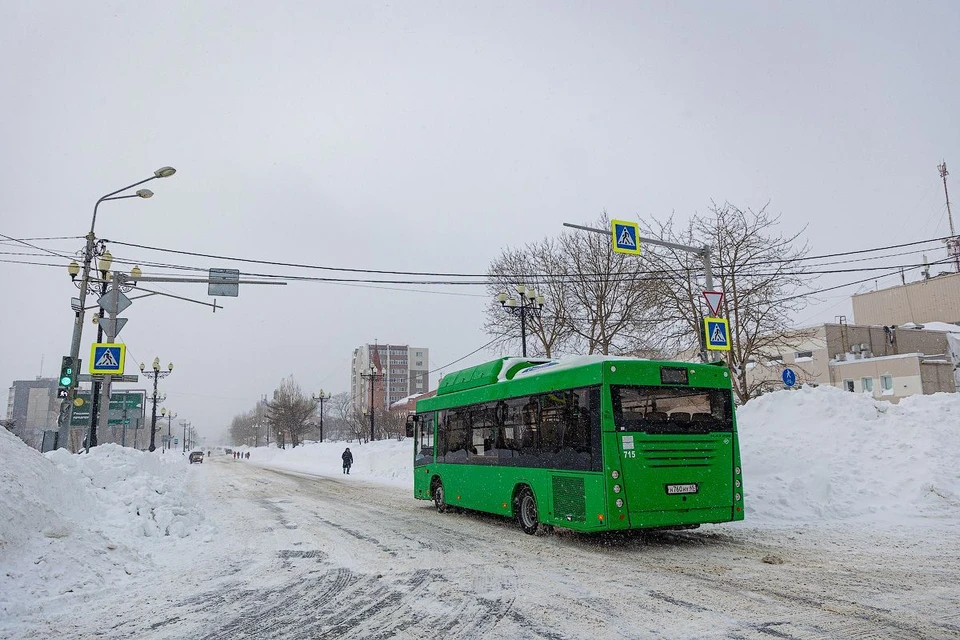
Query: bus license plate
673, 489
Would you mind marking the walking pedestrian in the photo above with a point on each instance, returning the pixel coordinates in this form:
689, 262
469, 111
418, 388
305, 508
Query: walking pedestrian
347, 461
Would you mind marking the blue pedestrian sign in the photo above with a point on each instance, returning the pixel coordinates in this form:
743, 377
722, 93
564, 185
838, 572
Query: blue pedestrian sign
789, 377
717, 331
107, 358
625, 236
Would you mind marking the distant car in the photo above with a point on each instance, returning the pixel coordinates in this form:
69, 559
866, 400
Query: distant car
196, 456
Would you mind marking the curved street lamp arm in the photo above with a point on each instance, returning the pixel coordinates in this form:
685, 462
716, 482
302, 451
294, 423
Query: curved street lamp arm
113, 193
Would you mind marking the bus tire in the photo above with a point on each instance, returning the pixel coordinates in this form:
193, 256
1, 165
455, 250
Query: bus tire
526, 510
439, 497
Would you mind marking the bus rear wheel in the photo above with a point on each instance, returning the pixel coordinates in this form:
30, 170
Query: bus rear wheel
438, 497
526, 508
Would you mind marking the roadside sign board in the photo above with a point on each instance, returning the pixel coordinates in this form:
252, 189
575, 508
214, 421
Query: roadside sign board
114, 301
625, 236
113, 326
86, 377
714, 298
789, 377
717, 331
107, 357
133, 401
224, 283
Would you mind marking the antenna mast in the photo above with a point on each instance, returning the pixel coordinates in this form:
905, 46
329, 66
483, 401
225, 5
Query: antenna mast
953, 244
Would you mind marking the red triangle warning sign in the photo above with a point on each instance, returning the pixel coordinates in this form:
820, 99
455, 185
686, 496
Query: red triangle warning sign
713, 301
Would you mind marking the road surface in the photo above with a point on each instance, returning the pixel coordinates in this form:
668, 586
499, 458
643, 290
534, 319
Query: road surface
303, 557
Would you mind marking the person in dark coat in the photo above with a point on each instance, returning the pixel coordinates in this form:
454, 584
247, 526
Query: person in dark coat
347, 461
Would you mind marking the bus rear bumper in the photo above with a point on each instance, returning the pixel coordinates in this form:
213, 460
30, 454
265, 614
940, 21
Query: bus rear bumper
666, 518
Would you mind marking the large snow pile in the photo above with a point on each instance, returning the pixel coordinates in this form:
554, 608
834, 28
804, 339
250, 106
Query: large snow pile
77, 522
820, 454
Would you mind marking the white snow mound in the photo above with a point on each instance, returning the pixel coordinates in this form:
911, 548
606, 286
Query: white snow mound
823, 454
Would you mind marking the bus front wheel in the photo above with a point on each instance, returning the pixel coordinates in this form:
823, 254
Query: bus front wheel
438, 497
526, 508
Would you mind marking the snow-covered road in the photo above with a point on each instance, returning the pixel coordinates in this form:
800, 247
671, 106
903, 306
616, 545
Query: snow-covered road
301, 557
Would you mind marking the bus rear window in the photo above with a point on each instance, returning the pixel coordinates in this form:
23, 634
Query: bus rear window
671, 410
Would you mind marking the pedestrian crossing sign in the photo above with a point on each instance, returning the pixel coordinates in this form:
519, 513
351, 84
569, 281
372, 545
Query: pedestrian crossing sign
107, 358
717, 331
625, 236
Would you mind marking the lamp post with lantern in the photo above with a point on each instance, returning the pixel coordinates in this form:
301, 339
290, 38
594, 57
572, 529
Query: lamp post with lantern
528, 302
104, 262
320, 398
373, 376
170, 416
88, 254
156, 374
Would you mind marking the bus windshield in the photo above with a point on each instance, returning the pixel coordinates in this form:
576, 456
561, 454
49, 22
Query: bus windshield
671, 410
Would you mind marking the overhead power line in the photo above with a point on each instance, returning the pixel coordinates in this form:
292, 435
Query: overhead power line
470, 275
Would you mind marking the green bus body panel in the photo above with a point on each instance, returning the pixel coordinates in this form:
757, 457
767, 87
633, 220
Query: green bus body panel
584, 500
661, 460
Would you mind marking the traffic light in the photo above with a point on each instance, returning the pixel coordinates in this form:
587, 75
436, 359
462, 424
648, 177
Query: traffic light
68, 375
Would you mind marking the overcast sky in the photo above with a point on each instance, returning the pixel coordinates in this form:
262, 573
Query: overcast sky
421, 136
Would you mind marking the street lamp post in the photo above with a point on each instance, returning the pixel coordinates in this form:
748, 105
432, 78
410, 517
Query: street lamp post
373, 376
156, 374
103, 266
100, 392
67, 414
530, 303
170, 416
320, 398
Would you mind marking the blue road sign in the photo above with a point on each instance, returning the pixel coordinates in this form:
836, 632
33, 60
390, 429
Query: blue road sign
789, 377
625, 236
107, 358
717, 331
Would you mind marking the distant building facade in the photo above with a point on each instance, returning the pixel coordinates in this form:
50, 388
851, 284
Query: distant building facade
887, 362
33, 406
402, 371
935, 299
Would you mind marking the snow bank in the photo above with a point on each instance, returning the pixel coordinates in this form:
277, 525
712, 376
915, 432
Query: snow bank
73, 523
384, 461
822, 454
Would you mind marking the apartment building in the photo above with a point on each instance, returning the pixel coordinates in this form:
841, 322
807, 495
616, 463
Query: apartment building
401, 371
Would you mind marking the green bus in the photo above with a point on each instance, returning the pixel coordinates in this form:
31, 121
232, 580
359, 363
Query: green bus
590, 443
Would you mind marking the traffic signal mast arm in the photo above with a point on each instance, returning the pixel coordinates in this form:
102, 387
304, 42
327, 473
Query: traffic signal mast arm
703, 252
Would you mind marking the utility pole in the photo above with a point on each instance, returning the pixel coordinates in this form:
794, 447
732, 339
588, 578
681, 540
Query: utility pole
953, 244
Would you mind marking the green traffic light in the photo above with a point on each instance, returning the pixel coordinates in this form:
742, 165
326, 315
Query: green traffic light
65, 380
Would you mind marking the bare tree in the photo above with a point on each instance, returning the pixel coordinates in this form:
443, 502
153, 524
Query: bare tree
759, 271
289, 413
242, 428
392, 424
613, 307
339, 415
359, 426
597, 300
